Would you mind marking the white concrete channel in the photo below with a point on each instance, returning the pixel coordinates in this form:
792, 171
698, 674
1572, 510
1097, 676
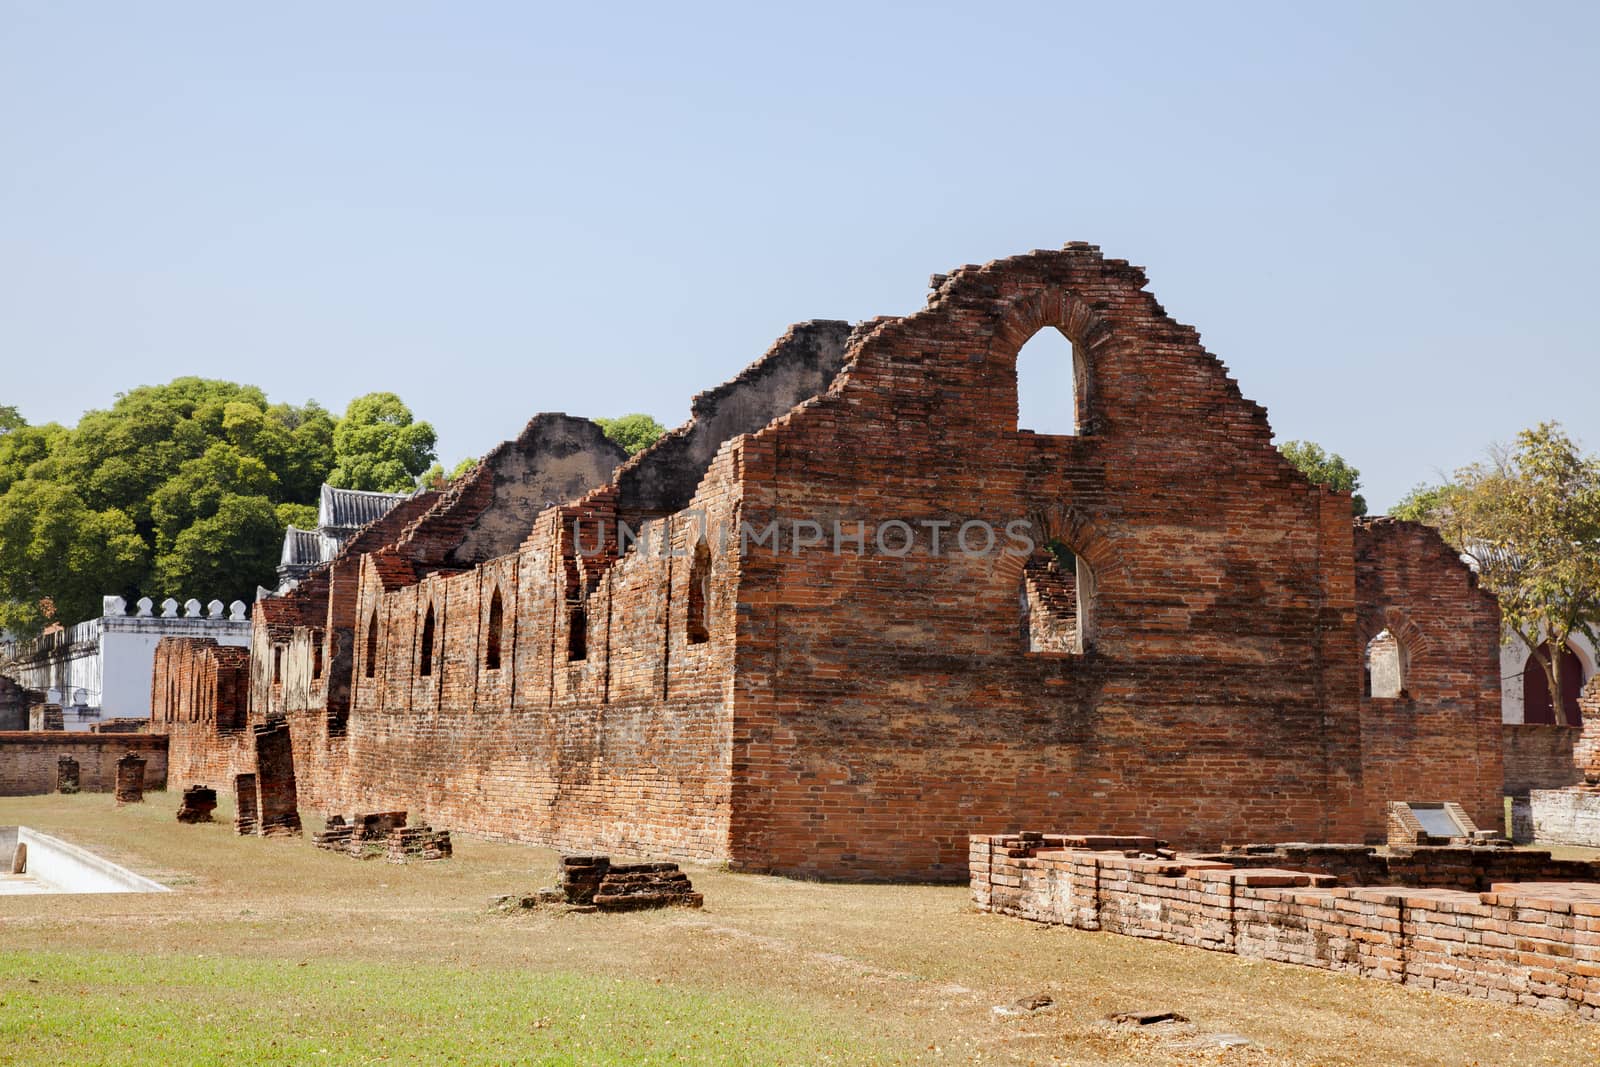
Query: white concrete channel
51, 865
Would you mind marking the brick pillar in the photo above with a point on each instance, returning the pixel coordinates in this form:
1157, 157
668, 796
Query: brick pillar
246, 817
66, 775
130, 779
279, 813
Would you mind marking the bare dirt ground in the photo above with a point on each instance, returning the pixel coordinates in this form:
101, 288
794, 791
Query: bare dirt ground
913, 972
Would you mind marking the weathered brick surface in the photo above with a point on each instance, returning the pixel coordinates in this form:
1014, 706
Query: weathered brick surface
858, 713
198, 803
130, 780
30, 763
1441, 739
1533, 943
1553, 756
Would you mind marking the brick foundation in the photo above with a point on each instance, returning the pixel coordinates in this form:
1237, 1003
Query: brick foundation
1536, 943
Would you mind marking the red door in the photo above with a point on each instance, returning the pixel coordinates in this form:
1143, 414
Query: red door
1536, 704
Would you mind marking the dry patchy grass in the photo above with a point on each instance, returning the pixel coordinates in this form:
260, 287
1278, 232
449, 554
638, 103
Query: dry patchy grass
274, 952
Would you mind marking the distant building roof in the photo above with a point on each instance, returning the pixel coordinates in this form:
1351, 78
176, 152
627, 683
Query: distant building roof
340, 513
349, 509
302, 547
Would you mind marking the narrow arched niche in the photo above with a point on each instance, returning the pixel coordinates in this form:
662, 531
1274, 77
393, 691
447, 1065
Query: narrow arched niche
497, 622
426, 668
1051, 383
700, 595
372, 645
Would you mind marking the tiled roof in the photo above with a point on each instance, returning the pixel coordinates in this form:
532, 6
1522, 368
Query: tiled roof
302, 547
350, 508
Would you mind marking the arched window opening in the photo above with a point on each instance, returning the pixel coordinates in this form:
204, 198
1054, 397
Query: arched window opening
1385, 676
427, 644
700, 595
316, 655
491, 649
1057, 596
372, 645
577, 631
1537, 707
1050, 385
277, 664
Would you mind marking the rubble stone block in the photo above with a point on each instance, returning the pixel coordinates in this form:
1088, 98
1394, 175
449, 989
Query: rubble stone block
198, 803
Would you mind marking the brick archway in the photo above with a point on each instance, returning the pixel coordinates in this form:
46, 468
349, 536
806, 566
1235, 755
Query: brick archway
1028, 314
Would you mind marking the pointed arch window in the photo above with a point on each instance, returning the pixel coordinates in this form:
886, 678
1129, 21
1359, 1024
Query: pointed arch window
491, 649
426, 668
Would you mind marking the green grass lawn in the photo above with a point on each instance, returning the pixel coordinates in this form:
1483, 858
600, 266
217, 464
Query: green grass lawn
103, 1008
270, 951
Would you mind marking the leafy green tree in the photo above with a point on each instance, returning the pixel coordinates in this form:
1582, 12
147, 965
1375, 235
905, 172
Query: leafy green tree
178, 489
200, 485
1324, 468
379, 446
634, 433
435, 476
1529, 519
1422, 503
22, 447
302, 516
54, 547
241, 537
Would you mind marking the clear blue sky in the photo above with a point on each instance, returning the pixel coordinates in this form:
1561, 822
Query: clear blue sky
1383, 217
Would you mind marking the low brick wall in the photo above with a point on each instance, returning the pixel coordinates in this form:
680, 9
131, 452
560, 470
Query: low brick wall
28, 760
1566, 816
1532, 943
1540, 757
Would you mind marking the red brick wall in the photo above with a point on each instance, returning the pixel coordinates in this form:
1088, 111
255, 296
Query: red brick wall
1536, 945
1440, 740
885, 708
28, 760
1552, 756
857, 715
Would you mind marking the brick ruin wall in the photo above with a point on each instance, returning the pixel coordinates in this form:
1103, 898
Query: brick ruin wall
857, 714
887, 707
29, 761
1535, 944
627, 746
1410, 583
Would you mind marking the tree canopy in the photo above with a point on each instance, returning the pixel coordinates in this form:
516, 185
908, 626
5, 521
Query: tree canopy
1324, 468
180, 490
378, 446
1529, 519
634, 433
